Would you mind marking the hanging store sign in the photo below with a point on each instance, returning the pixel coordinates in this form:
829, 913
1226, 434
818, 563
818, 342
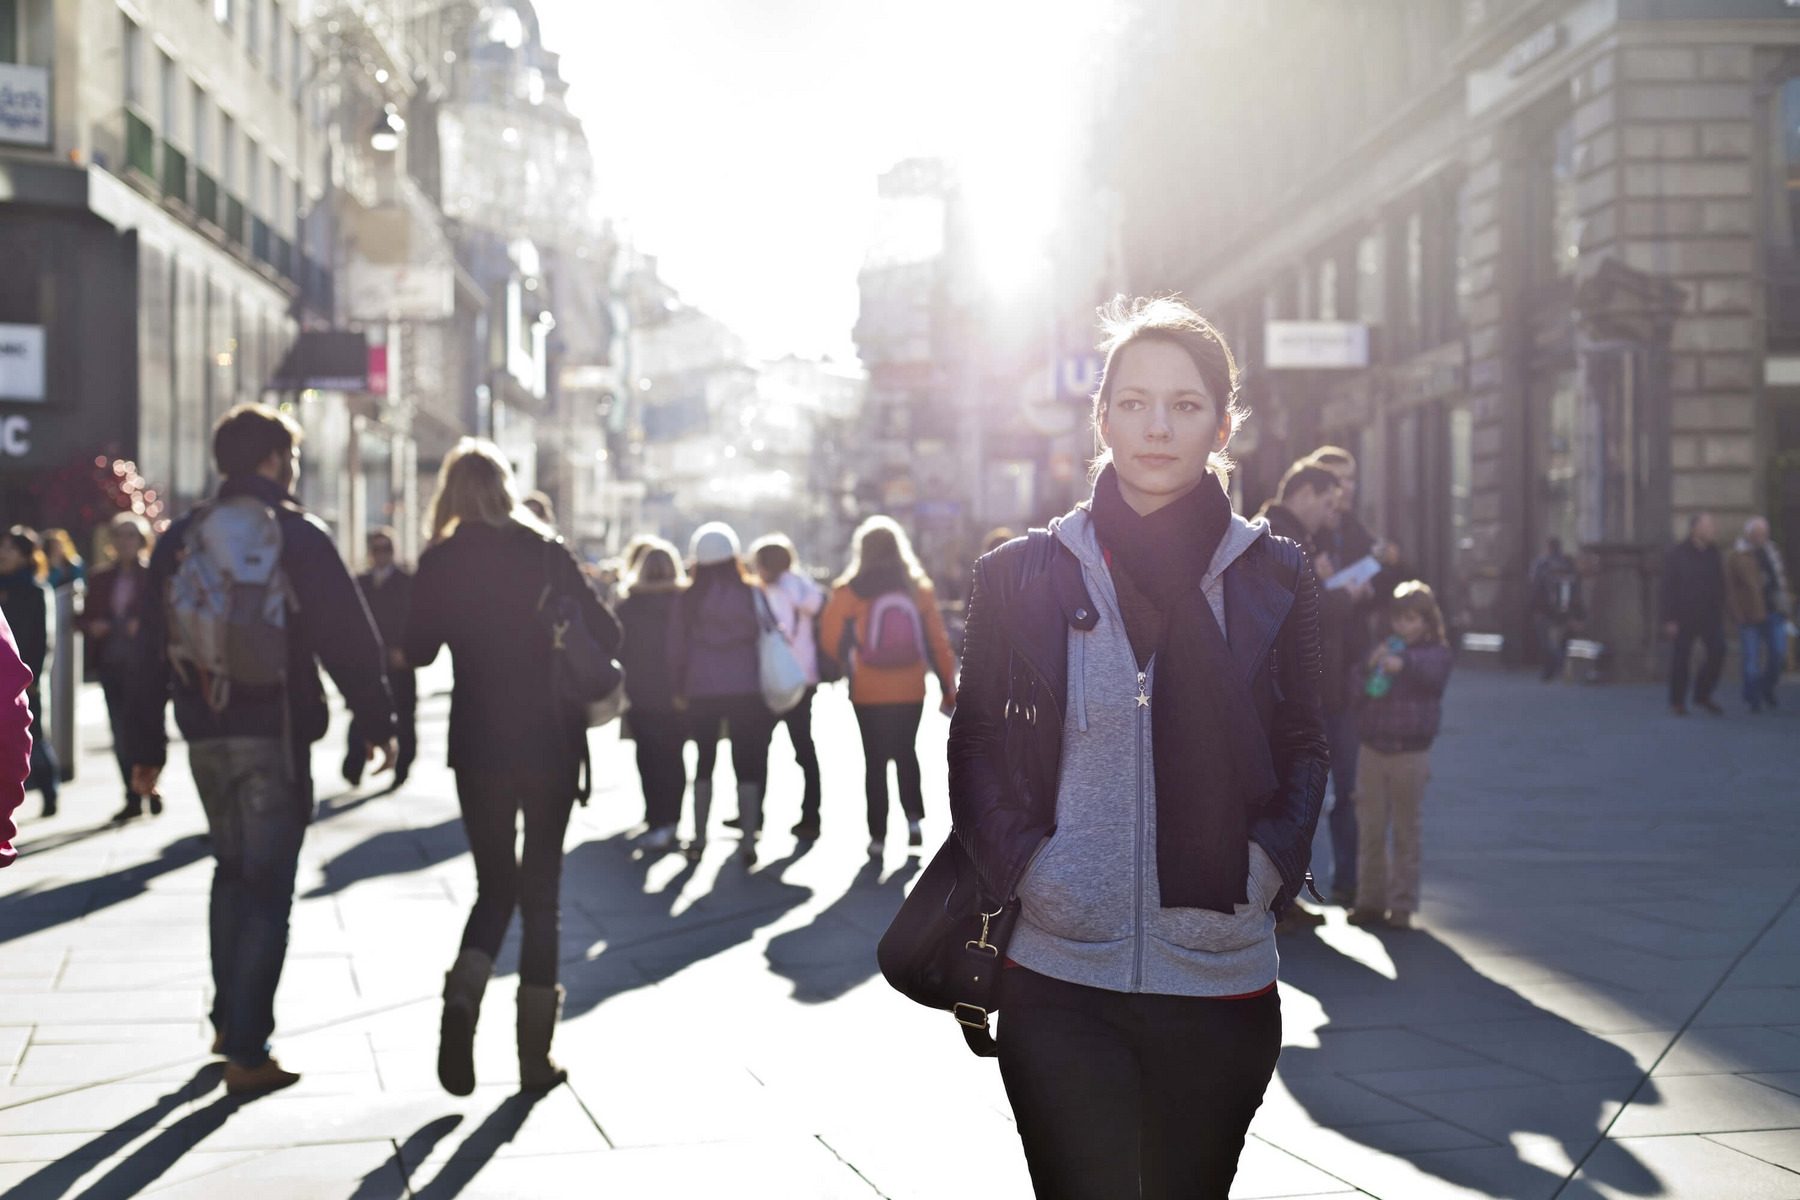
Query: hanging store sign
1315, 345
1523, 56
22, 362
24, 105
400, 291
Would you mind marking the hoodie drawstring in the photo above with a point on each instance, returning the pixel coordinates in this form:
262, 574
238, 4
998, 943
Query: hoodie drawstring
1080, 680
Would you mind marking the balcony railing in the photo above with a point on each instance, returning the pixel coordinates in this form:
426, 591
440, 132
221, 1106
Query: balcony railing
140, 146
234, 219
206, 196
174, 173
259, 240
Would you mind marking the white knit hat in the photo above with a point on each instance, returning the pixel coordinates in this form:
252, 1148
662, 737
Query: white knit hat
713, 542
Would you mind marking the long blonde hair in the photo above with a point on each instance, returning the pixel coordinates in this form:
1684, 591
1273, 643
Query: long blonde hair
881, 556
476, 484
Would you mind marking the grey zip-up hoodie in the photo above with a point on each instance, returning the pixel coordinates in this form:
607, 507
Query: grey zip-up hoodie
1090, 908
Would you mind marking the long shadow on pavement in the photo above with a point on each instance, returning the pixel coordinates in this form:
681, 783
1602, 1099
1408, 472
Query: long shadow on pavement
646, 941
836, 952
476, 1151
34, 910
393, 852
150, 1160
388, 1181
1452, 1045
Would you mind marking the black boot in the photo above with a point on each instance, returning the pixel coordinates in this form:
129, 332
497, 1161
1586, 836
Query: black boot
464, 985
539, 1008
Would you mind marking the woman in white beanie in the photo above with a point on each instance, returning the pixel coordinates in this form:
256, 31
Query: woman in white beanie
713, 670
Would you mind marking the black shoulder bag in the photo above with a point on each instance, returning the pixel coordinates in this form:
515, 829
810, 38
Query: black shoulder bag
942, 949
585, 682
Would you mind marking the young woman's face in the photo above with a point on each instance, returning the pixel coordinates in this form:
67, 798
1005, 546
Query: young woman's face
1409, 626
126, 544
10, 558
1161, 423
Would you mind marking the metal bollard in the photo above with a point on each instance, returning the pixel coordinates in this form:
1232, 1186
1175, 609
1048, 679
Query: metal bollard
65, 681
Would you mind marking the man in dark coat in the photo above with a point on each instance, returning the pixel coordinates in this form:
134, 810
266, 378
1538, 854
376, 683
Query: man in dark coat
1693, 609
251, 756
387, 589
1557, 606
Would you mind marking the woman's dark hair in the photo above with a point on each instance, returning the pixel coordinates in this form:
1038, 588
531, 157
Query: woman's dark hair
1415, 596
1169, 319
1303, 476
246, 436
31, 549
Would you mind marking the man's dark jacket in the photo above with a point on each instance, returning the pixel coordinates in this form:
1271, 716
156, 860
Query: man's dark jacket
388, 603
1006, 746
1693, 586
1336, 612
328, 624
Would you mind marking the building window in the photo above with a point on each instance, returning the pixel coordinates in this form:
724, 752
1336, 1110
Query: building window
275, 47
9, 31
227, 152
1415, 277
222, 11
296, 63
134, 63
1552, 219
202, 139
1784, 225
1328, 290
252, 177
1464, 286
1370, 280
275, 194
253, 28
165, 81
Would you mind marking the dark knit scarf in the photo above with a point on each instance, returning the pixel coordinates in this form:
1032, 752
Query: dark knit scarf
1211, 754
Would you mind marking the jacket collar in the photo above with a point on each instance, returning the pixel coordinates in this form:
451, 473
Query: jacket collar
269, 492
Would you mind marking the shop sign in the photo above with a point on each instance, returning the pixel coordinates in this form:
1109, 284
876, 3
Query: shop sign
400, 291
15, 437
378, 370
24, 105
22, 362
1315, 345
1533, 49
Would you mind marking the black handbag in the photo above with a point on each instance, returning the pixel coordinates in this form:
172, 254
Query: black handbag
943, 951
587, 686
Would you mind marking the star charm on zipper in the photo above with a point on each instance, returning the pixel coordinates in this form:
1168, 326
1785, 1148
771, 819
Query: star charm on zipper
1143, 700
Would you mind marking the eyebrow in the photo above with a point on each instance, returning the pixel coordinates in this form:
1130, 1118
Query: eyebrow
1132, 387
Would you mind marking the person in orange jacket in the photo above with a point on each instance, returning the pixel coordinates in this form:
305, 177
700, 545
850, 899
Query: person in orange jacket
15, 738
882, 623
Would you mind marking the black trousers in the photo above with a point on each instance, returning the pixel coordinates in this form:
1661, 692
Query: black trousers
660, 738
752, 726
504, 879
1120, 1096
112, 686
798, 720
1681, 655
890, 732
404, 686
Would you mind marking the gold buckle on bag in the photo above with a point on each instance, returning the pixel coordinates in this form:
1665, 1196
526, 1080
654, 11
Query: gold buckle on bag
980, 1021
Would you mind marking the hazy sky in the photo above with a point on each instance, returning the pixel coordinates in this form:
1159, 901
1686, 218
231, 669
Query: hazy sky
739, 140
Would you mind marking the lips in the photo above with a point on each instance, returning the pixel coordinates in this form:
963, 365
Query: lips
1154, 460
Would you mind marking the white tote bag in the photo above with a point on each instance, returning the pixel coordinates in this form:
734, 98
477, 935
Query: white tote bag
777, 666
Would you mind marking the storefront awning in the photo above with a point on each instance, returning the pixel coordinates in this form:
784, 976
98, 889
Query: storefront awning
334, 360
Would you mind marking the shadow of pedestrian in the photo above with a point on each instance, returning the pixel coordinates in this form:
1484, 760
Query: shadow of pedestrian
33, 910
646, 940
393, 852
476, 1150
389, 1180
836, 951
68, 837
1441, 1041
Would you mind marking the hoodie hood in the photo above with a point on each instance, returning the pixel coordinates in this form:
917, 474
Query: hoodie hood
1075, 529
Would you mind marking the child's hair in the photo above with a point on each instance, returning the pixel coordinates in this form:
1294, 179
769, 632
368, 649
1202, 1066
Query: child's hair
1415, 596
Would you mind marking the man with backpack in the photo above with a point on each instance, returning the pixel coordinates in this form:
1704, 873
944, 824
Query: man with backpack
254, 598
1557, 608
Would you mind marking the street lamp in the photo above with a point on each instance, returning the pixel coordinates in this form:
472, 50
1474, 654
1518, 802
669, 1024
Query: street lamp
385, 137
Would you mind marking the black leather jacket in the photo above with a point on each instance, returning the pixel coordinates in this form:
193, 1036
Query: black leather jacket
1006, 737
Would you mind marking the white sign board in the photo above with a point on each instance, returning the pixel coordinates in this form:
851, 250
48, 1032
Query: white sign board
22, 362
400, 292
1315, 345
24, 105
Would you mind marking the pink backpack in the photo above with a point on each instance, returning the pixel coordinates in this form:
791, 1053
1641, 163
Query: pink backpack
895, 636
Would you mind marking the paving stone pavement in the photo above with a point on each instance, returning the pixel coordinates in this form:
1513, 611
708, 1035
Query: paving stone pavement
1603, 999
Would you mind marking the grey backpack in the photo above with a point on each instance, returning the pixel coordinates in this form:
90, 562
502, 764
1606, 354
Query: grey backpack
228, 601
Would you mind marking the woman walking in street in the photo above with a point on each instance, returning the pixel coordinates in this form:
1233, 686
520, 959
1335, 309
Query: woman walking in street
652, 589
1400, 691
898, 636
489, 566
25, 601
114, 645
1138, 761
713, 667
795, 600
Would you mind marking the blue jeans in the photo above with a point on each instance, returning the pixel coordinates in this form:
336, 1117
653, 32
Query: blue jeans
1340, 732
1765, 650
257, 807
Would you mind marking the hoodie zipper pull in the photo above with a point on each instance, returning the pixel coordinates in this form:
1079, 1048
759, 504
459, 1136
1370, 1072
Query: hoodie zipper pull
1143, 697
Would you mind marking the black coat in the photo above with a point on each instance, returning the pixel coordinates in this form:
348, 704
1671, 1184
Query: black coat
388, 603
1006, 736
25, 601
329, 624
645, 616
1693, 586
477, 592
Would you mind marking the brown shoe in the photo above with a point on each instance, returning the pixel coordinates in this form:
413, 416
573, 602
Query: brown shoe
1367, 917
243, 1081
1399, 920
